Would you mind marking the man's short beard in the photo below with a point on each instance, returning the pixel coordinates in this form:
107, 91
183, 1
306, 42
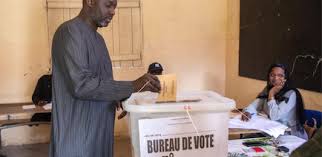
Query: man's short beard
99, 22
95, 20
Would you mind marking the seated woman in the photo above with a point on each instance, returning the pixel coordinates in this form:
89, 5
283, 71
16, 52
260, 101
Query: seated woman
280, 101
41, 96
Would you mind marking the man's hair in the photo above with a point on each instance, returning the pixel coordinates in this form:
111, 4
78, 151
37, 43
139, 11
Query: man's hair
155, 68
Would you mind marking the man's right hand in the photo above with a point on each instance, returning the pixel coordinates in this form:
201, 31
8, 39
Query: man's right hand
147, 82
246, 116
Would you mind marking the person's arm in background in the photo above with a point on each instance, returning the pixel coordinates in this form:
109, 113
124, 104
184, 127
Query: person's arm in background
276, 111
36, 94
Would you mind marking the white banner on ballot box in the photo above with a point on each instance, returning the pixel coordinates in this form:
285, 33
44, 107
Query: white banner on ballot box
177, 137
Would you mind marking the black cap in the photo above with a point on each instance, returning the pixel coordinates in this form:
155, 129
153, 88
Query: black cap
155, 68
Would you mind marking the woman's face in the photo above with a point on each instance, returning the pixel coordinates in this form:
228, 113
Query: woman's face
277, 77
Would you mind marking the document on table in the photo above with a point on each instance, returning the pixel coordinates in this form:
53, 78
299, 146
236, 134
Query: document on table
266, 125
290, 141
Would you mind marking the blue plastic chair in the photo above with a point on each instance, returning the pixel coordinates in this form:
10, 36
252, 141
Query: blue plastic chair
310, 114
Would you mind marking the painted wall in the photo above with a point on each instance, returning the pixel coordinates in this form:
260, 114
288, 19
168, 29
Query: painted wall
245, 90
24, 54
188, 37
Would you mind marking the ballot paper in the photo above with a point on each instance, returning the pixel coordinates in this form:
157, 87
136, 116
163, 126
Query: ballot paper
168, 91
264, 124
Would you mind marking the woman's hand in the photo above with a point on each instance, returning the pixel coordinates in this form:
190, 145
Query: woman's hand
246, 116
276, 89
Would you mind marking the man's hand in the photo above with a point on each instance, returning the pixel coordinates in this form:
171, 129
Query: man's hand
246, 116
147, 82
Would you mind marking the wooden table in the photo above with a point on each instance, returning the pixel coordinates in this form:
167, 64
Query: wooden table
16, 108
236, 131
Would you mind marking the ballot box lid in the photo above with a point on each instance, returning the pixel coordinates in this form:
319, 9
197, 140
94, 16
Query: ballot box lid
203, 101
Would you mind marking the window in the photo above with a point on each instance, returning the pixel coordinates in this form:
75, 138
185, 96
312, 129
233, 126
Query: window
123, 36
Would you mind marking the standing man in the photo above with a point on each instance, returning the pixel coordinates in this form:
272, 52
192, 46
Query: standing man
85, 94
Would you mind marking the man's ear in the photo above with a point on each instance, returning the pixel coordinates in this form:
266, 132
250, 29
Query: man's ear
90, 3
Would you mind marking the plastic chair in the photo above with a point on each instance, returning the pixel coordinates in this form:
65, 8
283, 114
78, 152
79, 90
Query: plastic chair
313, 121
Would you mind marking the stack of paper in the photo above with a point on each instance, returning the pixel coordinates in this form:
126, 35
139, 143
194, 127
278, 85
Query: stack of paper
266, 125
291, 142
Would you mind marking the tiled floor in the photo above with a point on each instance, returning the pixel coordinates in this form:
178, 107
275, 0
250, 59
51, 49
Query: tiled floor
122, 148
